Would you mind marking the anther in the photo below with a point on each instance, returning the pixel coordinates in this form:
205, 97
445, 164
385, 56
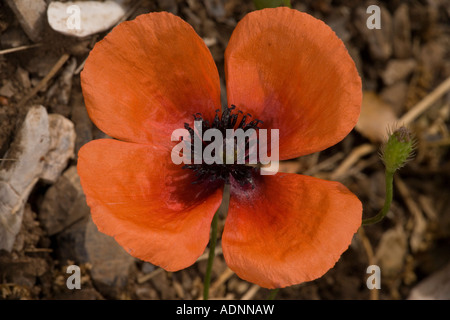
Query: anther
212, 172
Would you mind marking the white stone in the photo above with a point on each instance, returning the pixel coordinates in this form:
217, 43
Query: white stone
62, 146
83, 18
434, 287
31, 15
21, 171
40, 150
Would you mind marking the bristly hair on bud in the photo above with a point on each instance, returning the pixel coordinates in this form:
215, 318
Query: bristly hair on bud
398, 149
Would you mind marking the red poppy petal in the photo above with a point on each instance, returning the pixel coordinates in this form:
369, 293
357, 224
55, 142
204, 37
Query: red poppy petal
148, 204
149, 76
291, 71
280, 238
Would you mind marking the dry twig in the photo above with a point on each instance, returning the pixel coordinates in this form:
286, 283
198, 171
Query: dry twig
425, 103
356, 154
251, 292
45, 80
227, 274
11, 50
374, 295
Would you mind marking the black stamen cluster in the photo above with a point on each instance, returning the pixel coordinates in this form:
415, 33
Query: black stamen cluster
242, 173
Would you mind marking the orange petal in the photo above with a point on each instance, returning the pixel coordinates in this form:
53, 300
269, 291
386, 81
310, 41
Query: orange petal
280, 238
148, 204
149, 76
291, 71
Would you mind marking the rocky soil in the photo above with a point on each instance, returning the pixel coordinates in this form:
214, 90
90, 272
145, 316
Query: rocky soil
45, 223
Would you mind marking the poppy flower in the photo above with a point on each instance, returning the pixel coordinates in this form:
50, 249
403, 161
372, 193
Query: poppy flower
148, 76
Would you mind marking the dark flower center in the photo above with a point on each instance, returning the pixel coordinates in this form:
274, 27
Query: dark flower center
230, 166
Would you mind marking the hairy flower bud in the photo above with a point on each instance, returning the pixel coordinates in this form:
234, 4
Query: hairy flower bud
399, 149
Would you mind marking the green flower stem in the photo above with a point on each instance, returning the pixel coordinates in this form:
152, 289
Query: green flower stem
273, 294
212, 249
389, 176
287, 3
262, 4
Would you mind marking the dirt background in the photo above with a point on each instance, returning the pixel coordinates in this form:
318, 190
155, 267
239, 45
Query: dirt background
401, 65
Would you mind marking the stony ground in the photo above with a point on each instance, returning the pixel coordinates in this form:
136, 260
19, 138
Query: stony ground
401, 66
